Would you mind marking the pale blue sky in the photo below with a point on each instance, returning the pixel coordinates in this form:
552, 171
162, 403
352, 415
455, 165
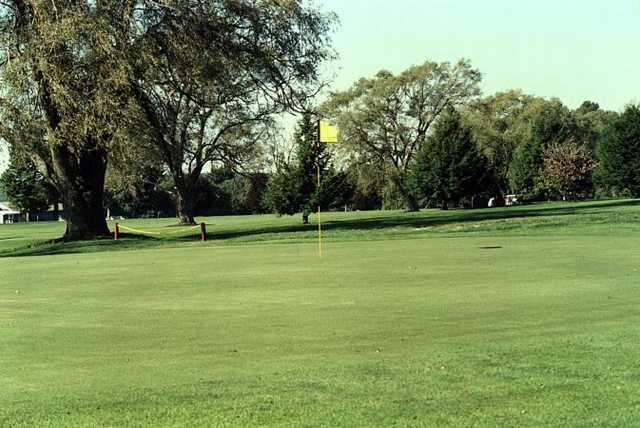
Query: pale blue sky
571, 49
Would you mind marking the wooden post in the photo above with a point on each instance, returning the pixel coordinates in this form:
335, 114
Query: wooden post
116, 233
203, 232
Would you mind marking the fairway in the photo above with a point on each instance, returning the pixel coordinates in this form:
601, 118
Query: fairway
523, 316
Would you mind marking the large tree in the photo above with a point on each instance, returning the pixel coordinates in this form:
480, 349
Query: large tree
64, 71
388, 117
212, 75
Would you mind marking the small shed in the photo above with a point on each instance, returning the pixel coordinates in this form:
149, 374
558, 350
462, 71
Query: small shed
8, 214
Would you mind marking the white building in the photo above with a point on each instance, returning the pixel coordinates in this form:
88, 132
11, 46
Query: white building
8, 214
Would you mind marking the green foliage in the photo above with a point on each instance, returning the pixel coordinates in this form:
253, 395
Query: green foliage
294, 186
525, 169
65, 82
146, 202
219, 192
226, 192
313, 158
551, 123
619, 155
245, 193
448, 167
368, 178
338, 189
136, 182
200, 80
283, 190
592, 122
212, 76
25, 187
388, 117
499, 124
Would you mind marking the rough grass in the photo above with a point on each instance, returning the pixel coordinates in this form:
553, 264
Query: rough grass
515, 317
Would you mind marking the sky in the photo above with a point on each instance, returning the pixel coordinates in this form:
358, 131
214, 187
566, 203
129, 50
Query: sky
575, 50
571, 49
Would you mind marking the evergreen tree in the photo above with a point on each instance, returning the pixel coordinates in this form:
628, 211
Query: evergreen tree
282, 195
448, 166
312, 157
294, 186
525, 168
619, 155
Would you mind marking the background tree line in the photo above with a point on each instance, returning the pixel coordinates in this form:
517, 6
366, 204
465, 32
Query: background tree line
426, 138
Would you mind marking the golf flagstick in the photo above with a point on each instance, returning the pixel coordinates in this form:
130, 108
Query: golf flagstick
319, 220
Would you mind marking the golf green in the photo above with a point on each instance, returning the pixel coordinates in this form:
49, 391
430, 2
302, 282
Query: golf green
523, 317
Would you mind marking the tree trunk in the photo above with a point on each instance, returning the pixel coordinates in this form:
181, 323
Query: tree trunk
56, 208
185, 205
410, 201
80, 178
305, 217
444, 205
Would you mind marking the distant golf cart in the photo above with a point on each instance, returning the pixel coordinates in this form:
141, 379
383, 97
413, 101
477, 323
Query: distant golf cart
511, 200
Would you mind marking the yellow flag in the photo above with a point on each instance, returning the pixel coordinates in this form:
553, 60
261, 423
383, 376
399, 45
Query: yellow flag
328, 133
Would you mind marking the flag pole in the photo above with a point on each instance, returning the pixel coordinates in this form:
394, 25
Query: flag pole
332, 137
319, 221
318, 193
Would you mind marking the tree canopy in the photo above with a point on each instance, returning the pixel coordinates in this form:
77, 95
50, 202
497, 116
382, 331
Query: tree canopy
65, 76
388, 117
294, 187
203, 78
619, 154
568, 170
448, 167
211, 78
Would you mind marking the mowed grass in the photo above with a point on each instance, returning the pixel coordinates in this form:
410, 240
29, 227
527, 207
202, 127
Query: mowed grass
525, 316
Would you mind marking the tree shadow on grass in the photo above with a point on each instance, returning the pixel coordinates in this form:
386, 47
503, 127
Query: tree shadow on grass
56, 247
414, 220
419, 220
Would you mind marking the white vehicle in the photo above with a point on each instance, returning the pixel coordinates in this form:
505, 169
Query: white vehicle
510, 200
